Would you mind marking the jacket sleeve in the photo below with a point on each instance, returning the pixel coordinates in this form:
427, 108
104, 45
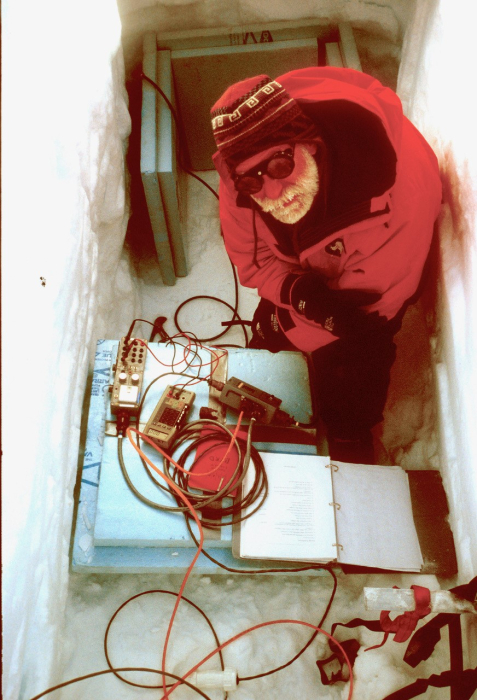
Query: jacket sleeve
393, 264
389, 257
257, 264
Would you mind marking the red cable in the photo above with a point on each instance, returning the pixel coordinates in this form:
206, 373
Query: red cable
191, 566
189, 471
187, 350
196, 556
255, 627
148, 348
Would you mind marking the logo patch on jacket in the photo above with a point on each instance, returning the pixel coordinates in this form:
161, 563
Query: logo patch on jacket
336, 247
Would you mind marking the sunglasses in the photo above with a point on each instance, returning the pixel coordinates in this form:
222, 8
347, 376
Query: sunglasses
277, 166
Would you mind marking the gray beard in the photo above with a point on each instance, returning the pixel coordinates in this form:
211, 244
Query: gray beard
305, 189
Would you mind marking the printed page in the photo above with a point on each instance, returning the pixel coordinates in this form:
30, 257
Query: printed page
296, 522
375, 524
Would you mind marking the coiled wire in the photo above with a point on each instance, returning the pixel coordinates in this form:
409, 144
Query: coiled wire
214, 513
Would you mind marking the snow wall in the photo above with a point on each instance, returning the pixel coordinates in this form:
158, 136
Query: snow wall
434, 84
68, 280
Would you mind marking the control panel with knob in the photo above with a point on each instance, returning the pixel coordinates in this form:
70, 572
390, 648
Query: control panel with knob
128, 375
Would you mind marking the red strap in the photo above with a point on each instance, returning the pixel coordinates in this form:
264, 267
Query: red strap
404, 625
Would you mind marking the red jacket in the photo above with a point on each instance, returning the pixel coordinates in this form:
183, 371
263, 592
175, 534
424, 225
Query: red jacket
383, 197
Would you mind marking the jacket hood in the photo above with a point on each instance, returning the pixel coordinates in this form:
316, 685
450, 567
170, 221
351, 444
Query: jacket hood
360, 121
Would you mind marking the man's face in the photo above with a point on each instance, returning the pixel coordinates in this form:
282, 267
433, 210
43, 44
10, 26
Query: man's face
287, 199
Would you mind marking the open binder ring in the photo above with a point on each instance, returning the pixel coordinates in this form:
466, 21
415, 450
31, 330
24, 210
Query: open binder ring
335, 467
337, 545
336, 505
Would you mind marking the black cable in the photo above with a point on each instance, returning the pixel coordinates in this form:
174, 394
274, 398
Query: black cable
180, 131
138, 595
189, 172
310, 567
255, 496
283, 570
303, 649
235, 320
252, 501
129, 333
194, 298
133, 668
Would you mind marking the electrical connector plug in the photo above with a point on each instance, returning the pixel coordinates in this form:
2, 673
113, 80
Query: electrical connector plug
122, 423
208, 413
253, 402
283, 418
215, 384
225, 680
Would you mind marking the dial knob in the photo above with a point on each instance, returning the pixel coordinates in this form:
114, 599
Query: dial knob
135, 378
122, 377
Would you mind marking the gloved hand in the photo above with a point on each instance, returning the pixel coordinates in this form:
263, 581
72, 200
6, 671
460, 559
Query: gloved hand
337, 310
267, 334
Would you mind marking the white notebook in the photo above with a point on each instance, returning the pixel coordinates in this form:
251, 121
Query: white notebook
318, 511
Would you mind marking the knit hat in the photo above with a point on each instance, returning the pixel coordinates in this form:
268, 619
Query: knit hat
252, 115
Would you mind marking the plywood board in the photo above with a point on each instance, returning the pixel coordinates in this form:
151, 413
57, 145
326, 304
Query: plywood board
237, 35
202, 75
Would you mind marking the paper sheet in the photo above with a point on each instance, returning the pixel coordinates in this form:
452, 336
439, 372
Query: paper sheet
297, 519
375, 524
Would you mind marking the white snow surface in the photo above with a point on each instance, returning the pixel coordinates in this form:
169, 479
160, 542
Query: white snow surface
234, 603
68, 280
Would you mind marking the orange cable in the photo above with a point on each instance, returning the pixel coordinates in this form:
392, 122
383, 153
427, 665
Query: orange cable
187, 349
255, 627
188, 471
196, 556
186, 577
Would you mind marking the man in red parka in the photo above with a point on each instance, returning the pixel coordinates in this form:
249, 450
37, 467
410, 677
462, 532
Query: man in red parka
328, 196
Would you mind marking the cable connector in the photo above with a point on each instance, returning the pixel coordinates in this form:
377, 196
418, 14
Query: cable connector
254, 402
224, 680
122, 424
215, 384
283, 418
208, 413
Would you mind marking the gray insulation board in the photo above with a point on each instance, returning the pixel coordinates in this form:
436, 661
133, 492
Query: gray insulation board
148, 163
167, 170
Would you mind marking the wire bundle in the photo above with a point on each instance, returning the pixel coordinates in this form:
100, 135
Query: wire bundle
188, 439
209, 503
176, 478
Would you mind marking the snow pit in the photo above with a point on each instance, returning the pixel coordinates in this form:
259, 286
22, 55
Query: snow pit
68, 280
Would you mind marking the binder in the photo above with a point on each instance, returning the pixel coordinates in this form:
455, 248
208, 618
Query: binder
322, 511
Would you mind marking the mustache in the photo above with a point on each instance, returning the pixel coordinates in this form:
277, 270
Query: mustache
270, 205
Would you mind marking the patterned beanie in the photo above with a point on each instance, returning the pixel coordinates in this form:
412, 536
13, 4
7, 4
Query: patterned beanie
254, 114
